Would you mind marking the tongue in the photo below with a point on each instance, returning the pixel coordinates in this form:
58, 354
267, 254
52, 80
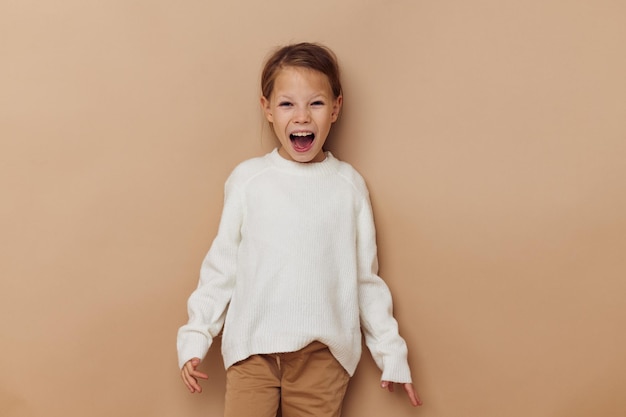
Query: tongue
302, 142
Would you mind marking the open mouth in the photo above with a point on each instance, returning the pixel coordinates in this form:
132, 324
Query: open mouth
302, 141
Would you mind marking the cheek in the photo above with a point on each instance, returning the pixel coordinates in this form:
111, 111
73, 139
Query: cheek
278, 128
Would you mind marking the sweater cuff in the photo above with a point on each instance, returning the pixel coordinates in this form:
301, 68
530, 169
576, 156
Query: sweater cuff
396, 370
192, 345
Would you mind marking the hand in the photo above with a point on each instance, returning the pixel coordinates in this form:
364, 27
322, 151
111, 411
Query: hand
190, 375
410, 391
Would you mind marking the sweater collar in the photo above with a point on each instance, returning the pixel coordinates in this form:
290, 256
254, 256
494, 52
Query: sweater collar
327, 166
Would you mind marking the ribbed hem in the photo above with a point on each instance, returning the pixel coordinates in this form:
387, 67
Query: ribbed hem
347, 352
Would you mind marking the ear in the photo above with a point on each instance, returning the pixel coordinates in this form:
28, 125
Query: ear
336, 108
267, 110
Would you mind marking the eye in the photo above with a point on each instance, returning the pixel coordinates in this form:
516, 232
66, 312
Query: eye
284, 104
317, 103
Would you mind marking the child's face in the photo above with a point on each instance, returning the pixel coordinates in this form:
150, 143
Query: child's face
301, 109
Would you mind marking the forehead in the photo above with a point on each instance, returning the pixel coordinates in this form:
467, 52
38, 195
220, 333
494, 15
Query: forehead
294, 80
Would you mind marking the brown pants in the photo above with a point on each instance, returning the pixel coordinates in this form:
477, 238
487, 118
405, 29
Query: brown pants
308, 382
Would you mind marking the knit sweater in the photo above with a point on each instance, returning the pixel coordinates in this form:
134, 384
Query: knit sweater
294, 261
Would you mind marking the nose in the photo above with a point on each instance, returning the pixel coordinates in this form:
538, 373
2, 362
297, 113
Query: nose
302, 115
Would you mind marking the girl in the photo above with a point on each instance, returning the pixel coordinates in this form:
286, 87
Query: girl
292, 273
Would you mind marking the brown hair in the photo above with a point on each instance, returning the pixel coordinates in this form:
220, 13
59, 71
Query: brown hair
304, 55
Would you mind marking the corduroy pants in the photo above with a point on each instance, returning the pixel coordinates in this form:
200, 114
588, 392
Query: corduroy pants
306, 383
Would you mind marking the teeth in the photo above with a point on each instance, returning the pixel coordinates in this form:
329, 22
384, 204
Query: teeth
301, 134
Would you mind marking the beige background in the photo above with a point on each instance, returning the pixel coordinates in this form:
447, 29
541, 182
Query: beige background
492, 136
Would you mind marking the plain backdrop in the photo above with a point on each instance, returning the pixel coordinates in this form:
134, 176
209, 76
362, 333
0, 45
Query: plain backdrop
492, 136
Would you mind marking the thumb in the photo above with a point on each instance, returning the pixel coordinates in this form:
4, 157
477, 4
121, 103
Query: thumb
195, 362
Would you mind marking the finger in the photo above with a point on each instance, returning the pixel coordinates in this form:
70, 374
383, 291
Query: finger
191, 367
185, 376
387, 385
193, 382
190, 376
198, 374
413, 397
190, 381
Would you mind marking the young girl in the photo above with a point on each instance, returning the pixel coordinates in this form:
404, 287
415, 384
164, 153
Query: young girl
292, 273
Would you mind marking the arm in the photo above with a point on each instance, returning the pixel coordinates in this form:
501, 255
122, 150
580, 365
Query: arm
208, 304
376, 311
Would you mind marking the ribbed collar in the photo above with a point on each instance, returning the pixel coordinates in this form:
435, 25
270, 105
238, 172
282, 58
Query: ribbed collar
327, 166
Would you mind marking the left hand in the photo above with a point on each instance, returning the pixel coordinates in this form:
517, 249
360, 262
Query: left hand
408, 388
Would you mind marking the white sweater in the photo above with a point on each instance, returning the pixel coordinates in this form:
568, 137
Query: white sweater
294, 261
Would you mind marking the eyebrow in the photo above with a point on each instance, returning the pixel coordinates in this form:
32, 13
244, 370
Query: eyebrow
312, 97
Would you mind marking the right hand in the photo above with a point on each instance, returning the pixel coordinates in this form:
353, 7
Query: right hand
190, 375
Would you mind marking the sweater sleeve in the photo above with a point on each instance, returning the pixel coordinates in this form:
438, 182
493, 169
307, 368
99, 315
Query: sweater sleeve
208, 304
380, 328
